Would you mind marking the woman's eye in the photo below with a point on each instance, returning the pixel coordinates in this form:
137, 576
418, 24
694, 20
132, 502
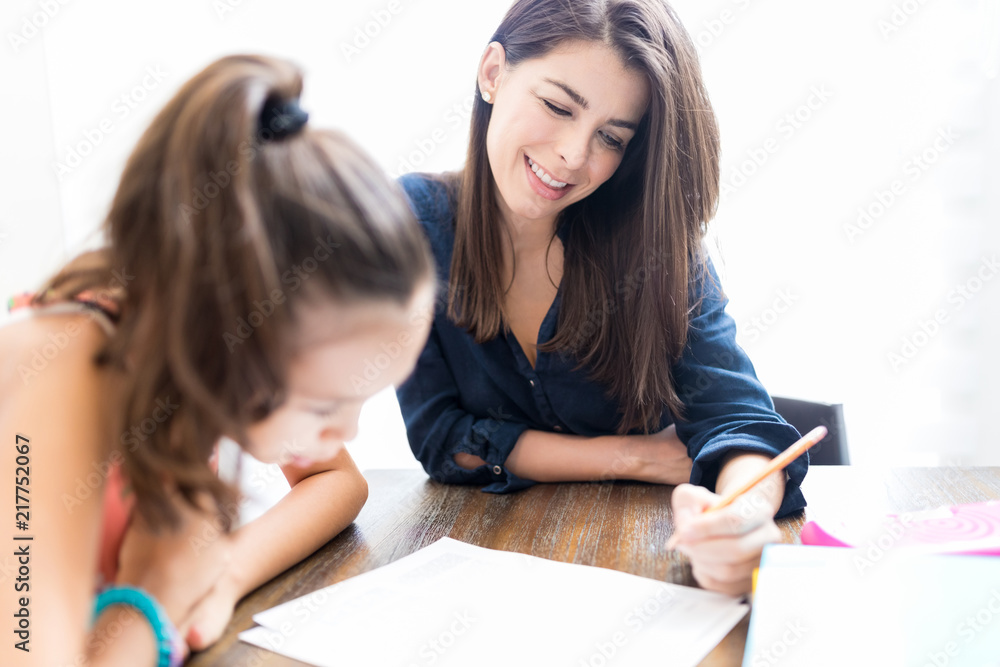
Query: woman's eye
612, 142
559, 111
327, 412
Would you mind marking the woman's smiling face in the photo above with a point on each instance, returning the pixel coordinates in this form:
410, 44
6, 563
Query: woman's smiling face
560, 125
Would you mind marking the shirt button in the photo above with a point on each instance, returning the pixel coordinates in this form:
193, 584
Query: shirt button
497, 470
557, 427
531, 382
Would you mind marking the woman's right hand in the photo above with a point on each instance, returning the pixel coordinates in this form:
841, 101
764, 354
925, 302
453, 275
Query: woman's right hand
177, 567
660, 458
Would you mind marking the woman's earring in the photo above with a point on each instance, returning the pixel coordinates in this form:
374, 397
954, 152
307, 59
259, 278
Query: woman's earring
486, 97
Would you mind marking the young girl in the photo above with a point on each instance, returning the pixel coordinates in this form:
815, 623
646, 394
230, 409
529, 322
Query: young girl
254, 265
584, 335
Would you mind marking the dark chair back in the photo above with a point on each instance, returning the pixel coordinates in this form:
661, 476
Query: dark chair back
807, 415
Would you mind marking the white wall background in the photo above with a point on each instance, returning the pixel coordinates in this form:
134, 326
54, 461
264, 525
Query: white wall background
823, 108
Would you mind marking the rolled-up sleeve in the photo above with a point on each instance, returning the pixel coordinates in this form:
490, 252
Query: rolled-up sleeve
726, 408
438, 428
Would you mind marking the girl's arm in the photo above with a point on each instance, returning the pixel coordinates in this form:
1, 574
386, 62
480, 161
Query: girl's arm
62, 428
323, 501
58, 408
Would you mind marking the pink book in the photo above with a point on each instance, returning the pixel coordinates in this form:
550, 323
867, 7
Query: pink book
961, 529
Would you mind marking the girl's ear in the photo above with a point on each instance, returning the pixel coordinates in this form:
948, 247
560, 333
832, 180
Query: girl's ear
491, 67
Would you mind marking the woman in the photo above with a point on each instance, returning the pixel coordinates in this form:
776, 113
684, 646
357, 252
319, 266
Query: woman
583, 336
254, 265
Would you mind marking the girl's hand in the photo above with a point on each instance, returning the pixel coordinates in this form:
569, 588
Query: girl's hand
209, 618
660, 458
180, 567
725, 545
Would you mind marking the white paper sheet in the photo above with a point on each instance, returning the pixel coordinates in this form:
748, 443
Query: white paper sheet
453, 603
831, 607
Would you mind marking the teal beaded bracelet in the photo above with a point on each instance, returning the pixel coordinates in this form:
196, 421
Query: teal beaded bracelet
168, 641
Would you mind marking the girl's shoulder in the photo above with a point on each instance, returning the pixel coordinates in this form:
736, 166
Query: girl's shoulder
59, 404
52, 342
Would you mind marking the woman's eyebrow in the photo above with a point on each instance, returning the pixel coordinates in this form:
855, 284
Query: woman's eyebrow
575, 96
628, 125
582, 101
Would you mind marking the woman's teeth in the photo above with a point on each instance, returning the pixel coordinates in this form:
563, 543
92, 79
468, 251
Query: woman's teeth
545, 178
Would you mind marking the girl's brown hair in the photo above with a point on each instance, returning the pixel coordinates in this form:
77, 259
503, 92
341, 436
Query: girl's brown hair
221, 232
635, 243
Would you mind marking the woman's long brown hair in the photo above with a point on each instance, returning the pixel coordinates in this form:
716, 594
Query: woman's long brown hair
221, 233
634, 245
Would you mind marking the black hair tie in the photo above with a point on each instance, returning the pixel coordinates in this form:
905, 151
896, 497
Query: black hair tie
280, 119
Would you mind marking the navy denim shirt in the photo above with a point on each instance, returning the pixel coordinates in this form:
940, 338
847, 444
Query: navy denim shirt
479, 398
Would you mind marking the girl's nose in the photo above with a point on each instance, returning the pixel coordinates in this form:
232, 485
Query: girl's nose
344, 429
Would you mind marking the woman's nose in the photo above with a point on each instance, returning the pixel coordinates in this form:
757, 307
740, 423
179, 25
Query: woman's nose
574, 147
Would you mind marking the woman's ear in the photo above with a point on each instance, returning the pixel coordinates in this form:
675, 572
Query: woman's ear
491, 66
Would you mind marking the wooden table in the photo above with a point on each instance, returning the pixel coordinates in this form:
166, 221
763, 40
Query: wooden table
618, 525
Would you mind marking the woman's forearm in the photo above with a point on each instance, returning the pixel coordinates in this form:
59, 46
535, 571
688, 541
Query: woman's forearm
315, 510
659, 458
542, 456
554, 457
739, 467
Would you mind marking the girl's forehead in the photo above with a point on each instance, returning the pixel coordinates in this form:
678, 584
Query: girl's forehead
351, 350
